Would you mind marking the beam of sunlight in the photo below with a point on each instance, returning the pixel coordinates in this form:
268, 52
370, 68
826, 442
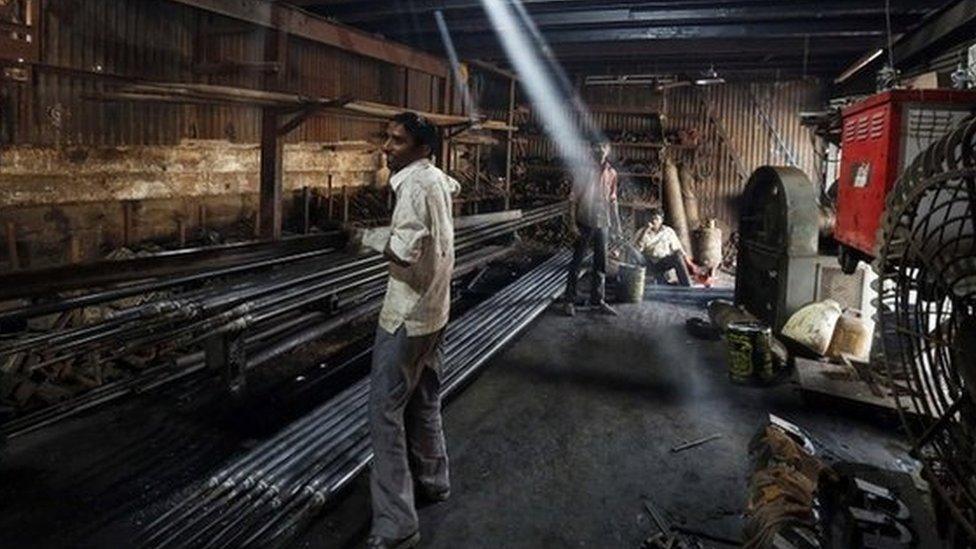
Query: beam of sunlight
593, 131
550, 105
468, 105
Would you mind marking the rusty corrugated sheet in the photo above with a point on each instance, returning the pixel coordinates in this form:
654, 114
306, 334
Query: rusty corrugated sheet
113, 38
744, 126
164, 41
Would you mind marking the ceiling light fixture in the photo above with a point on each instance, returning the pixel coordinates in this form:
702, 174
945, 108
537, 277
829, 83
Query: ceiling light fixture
858, 65
709, 77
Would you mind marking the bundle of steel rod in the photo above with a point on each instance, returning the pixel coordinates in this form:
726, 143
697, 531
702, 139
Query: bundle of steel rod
265, 344
153, 269
272, 490
238, 305
265, 305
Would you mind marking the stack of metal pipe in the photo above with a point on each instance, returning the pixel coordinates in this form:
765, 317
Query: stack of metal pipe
270, 492
278, 310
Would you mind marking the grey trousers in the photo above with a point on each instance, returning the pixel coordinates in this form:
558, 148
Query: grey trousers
406, 429
659, 268
597, 238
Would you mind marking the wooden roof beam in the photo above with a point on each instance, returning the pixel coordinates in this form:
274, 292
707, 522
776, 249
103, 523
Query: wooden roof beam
305, 25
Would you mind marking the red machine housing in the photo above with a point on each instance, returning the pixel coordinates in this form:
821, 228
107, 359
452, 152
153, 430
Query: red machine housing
881, 136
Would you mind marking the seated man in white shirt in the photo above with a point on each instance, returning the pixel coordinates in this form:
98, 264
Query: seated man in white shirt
662, 250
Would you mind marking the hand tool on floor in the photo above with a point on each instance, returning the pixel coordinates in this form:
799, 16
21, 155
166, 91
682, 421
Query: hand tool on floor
694, 443
666, 538
709, 537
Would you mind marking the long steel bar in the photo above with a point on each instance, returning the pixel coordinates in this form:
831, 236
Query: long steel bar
468, 344
228, 479
88, 336
315, 325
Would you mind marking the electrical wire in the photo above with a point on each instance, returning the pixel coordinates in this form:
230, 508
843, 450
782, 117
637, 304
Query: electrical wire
891, 40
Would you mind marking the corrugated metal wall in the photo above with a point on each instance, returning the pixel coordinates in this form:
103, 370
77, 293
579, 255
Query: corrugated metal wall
744, 126
741, 127
88, 44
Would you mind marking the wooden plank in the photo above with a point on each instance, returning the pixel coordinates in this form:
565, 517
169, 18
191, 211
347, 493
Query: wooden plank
191, 93
493, 68
612, 109
318, 29
822, 379
386, 111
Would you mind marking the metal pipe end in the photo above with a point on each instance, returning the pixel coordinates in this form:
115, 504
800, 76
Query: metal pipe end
318, 497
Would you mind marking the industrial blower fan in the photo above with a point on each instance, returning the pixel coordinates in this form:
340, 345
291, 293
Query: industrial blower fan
927, 316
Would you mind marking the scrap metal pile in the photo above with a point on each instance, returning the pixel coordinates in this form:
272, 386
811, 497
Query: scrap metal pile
154, 329
269, 492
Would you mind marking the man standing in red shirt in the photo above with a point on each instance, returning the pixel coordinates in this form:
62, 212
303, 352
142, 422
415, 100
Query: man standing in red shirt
592, 216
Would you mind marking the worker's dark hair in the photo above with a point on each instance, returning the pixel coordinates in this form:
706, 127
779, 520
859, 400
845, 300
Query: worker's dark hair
655, 212
421, 129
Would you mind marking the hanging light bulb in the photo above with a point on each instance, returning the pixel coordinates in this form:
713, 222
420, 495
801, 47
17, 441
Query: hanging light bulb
710, 77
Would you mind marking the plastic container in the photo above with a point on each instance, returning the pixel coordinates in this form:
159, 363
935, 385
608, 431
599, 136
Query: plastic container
813, 325
852, 337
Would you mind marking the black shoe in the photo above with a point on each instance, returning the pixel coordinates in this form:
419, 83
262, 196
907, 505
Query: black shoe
379, 542
604, 308
425, 497
569, 308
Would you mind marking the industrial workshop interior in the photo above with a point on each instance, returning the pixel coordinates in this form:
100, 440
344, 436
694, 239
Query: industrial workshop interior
383, 274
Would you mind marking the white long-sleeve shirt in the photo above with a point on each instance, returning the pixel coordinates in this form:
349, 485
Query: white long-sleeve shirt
421, 236
660, 244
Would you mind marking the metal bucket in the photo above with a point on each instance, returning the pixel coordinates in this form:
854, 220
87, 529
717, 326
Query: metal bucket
632, 281
749, 353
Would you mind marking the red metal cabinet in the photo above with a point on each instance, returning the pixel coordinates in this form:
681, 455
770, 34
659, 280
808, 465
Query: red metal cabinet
881, 136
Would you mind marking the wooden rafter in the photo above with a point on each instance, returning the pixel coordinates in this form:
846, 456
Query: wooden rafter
305, 25
173, 92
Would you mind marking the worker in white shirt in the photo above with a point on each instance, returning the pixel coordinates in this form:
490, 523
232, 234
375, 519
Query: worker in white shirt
662, 250
409, 453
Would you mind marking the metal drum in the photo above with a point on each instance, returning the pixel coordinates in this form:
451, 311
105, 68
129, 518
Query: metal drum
749, 352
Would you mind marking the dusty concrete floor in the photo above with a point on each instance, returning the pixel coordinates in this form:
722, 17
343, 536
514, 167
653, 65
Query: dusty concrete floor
556, 444
564, 435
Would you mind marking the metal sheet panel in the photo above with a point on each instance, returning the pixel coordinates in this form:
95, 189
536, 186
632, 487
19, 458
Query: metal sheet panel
86, 45
744, 126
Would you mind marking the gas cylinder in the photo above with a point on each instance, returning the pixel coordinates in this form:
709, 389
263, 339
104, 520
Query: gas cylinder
706, 245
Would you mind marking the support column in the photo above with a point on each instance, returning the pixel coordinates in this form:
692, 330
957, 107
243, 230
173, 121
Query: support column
272, 144
272, 155
508, 145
